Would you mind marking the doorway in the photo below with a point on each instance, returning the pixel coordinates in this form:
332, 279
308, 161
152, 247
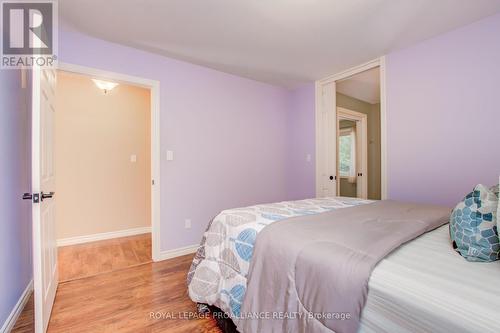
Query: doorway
102, 157
44, 175
352, 153
358, 129
352, 172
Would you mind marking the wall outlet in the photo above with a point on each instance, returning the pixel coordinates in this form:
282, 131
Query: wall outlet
187, 223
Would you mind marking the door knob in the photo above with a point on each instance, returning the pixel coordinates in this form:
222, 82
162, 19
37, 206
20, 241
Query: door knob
29, 196
47, 195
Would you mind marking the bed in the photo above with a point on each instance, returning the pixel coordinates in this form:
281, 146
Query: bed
425, 286
421, 286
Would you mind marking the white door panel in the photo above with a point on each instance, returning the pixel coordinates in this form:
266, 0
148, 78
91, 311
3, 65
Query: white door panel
327, 161
45, 274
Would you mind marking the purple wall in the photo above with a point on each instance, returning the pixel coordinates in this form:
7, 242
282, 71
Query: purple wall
228, 134
443, 115
300, 173
15, 214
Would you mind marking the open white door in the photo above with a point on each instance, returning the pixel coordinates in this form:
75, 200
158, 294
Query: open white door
326, 142
43, 177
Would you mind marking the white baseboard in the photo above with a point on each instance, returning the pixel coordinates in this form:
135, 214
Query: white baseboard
178, 252
18, 308
102, 236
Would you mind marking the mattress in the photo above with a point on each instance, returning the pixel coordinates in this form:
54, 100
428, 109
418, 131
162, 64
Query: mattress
425, 286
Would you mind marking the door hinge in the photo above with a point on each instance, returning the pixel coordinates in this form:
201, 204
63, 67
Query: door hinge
152, 182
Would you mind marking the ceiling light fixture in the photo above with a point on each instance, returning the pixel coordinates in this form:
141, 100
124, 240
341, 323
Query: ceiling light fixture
105, 85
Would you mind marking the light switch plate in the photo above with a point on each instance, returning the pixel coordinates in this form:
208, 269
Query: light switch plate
187, 224
170, 155
133, 158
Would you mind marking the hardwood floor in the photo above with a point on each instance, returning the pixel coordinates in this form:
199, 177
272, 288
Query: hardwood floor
24, 323
128, 301
149, 297
89, 259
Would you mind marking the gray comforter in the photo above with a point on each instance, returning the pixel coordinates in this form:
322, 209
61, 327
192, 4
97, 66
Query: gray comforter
310, 273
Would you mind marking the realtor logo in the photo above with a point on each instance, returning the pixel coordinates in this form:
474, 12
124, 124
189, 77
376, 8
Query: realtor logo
28, 33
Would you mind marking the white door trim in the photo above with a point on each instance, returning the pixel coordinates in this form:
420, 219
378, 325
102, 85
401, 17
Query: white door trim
154, 87
322, 133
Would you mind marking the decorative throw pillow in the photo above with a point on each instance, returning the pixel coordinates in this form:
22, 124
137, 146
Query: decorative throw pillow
473, 227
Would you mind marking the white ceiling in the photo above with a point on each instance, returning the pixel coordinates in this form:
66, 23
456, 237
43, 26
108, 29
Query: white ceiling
364, 86
284, 42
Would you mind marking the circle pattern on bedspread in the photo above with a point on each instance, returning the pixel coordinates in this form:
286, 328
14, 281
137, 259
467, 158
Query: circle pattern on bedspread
235, 295
244, 243
473, 227
205, 282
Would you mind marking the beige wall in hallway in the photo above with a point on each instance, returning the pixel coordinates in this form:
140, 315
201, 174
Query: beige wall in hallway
98, 188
